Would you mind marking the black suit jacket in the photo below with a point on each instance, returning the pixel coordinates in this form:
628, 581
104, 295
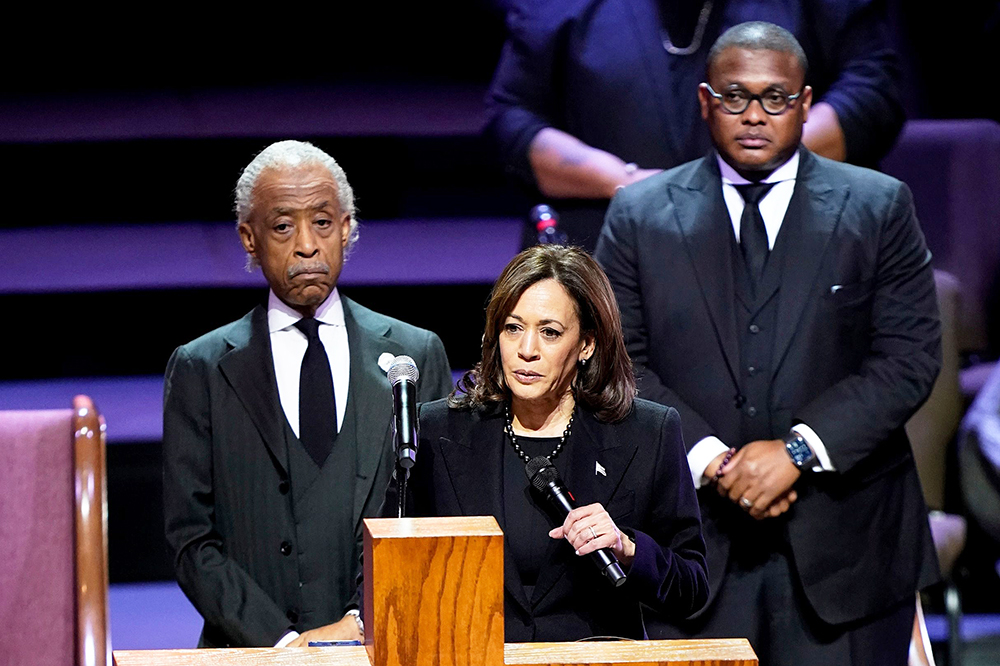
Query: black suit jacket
856, 351
226, 492
646, 489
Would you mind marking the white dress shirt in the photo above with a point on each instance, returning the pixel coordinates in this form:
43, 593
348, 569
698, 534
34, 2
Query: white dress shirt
772, 209
288, 347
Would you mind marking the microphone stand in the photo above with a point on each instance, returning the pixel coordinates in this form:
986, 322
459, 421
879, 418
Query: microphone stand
402, 474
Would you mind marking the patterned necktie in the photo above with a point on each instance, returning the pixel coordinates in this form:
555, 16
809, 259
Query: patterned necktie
317, 403
753, 234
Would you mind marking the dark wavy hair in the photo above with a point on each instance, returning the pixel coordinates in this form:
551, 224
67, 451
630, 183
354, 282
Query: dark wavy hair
606, 384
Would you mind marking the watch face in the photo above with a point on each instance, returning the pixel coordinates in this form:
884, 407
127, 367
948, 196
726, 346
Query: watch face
799, 451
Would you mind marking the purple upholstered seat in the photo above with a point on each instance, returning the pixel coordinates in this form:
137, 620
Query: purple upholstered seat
953, 168
53, 543
37, 555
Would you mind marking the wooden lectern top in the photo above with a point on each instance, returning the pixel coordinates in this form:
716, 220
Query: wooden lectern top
317, 656
715, 652
418, 528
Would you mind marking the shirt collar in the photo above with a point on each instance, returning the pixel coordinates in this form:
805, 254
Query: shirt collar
786, 171
280, 316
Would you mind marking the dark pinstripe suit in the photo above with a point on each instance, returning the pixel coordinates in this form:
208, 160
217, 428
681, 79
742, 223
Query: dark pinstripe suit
230, 504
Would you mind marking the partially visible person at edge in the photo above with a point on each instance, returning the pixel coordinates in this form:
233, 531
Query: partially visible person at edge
555, 380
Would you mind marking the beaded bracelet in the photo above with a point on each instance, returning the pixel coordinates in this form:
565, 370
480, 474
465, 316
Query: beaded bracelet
725, 461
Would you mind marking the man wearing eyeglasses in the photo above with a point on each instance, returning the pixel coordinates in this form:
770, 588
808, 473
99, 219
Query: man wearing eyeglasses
784, 304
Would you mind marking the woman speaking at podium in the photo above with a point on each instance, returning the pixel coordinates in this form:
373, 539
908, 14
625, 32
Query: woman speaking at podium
554, 394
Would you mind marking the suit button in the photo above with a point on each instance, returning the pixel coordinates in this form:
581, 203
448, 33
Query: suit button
751, 411
283, 487
751, 370
754, 328
292, 616
286, 548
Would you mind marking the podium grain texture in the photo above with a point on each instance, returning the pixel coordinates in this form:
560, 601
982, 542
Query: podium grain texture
713, 652
434, 592
331, 656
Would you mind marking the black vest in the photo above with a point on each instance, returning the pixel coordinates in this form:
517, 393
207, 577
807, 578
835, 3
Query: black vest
324, 544
756, 312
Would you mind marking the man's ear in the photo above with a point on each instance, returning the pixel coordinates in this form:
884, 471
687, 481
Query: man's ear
807, 97
704, 100
248, 239
345, 229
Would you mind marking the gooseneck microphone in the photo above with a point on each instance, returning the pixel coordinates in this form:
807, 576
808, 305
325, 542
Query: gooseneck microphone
403, 375
544, 478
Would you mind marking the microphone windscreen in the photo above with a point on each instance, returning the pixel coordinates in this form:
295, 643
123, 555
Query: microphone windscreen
540, 472
403, 367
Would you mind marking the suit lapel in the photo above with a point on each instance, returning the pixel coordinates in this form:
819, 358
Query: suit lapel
249, 369
474, 459
370, 394
703, 219
593, 443
812, 217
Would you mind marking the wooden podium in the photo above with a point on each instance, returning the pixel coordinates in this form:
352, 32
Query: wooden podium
433, 596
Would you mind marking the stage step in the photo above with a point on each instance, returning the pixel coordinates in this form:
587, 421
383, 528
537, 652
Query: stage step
209, 255
274, 112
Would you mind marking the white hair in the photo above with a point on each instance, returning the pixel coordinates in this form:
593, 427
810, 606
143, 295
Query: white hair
289, 154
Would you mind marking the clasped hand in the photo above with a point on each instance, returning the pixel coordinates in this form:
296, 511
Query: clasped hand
590, 527
345, 629
759, 478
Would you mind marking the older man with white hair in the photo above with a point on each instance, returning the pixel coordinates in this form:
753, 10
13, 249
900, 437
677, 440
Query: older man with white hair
276, 437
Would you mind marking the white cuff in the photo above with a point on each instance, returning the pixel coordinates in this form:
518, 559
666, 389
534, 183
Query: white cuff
701, 456
287, 638
817, 446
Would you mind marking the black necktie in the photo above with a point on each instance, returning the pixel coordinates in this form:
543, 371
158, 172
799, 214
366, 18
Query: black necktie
753, 234
317, 403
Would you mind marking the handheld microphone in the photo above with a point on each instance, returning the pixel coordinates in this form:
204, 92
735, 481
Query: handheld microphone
403, 375
545, 220
544, 478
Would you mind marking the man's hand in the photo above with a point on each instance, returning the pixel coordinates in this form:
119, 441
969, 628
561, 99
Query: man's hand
345, 629
759, 475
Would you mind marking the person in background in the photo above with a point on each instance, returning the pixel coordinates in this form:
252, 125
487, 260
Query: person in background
591, 95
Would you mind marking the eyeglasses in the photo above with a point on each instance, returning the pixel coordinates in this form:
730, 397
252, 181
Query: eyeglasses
736, 101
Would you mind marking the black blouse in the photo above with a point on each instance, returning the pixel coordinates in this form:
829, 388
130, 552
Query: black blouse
530, 543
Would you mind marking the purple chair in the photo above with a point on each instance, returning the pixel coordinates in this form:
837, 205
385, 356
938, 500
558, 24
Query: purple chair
53, 537
953, 168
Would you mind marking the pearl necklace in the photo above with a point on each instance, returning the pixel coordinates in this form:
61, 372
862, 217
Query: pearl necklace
509, 429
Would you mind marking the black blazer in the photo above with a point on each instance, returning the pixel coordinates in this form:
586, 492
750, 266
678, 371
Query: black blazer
647, 490
226, 482
855, 353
